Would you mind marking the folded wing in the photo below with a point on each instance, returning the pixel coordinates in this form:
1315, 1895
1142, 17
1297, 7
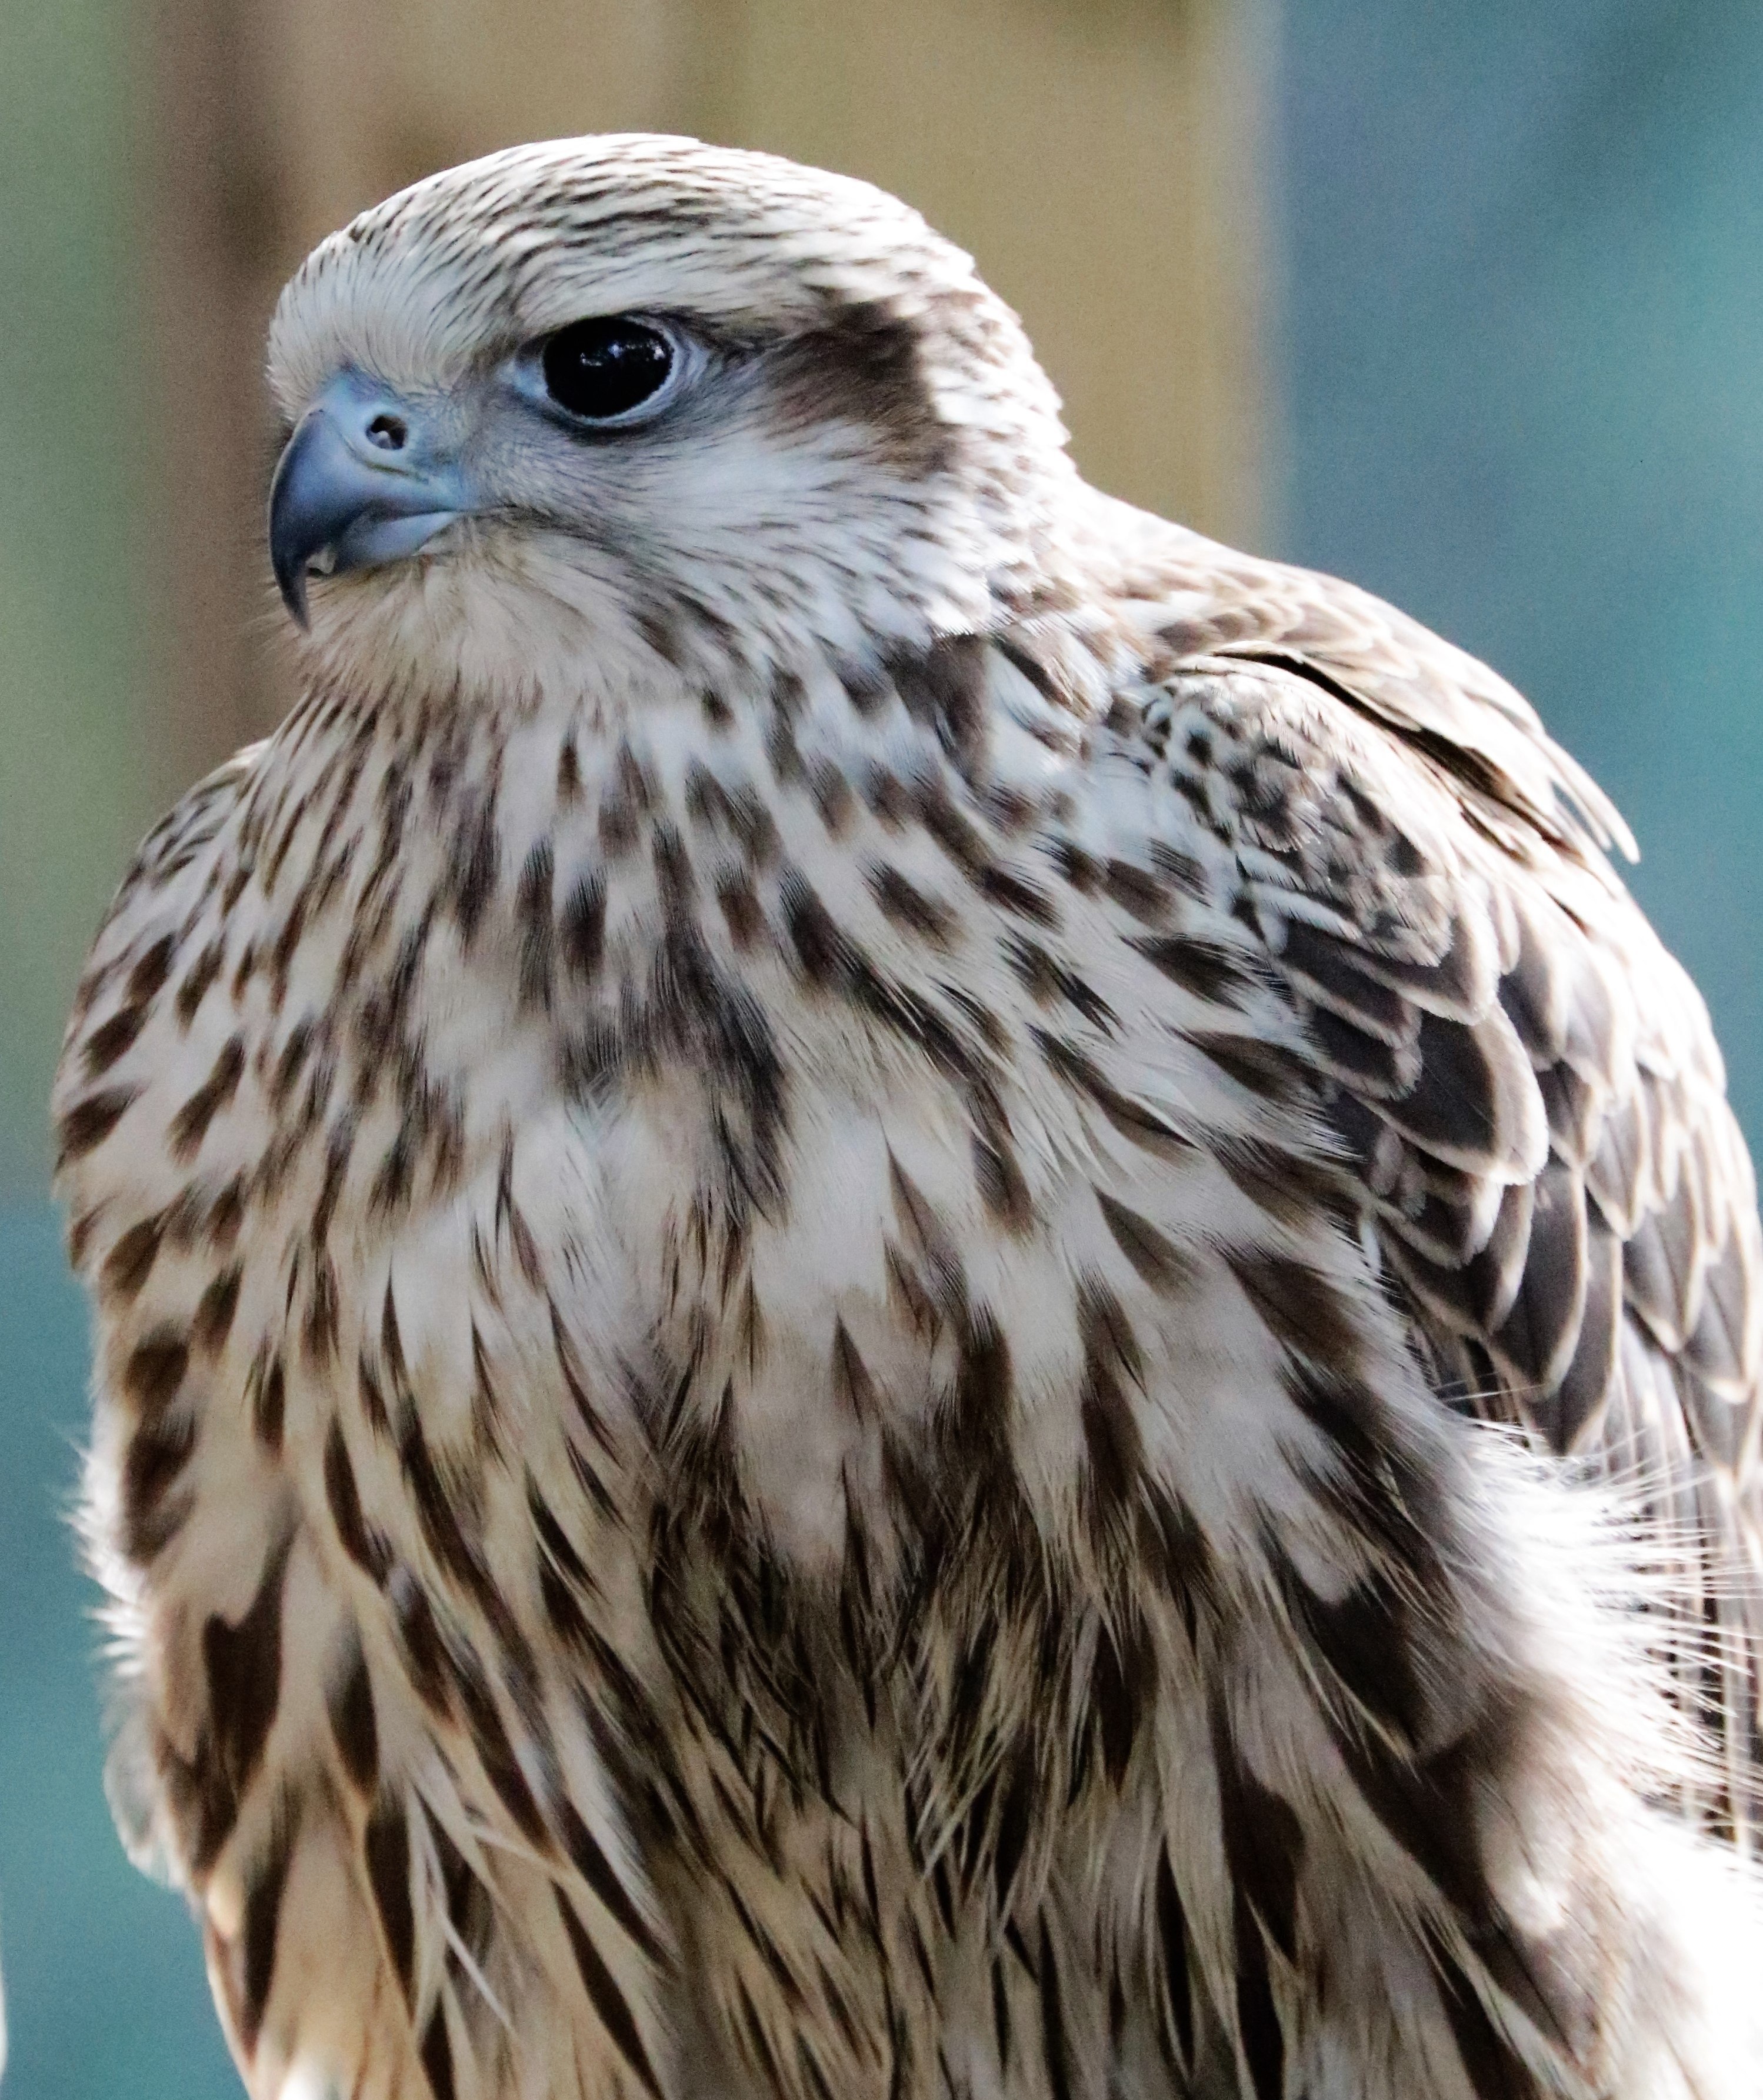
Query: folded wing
1527, 1082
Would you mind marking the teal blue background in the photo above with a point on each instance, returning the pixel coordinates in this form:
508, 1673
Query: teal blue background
1522, 337
1524, 348
105, 1993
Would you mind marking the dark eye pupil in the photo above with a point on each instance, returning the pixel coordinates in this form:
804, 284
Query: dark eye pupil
601, 368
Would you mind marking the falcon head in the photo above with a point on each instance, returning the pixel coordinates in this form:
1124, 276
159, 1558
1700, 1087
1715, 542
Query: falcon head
679, 404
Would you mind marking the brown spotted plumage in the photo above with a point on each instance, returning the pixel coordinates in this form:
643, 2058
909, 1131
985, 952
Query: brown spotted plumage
801, 1213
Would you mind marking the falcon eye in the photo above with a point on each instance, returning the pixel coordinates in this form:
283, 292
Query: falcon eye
600, 370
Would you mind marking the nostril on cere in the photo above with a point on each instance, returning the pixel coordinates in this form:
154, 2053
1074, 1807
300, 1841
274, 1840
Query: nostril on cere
390, 433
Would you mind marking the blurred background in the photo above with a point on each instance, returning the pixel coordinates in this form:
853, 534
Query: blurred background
1461, 298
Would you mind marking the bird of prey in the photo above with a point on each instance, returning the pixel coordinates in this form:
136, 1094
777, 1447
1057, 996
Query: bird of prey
903, 1289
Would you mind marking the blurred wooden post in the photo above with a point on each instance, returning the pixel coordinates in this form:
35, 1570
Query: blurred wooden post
1102, 159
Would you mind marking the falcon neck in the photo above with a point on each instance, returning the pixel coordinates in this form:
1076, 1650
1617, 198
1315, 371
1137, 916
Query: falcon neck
577, 838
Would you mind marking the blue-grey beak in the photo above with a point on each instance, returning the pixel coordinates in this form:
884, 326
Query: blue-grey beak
362, 480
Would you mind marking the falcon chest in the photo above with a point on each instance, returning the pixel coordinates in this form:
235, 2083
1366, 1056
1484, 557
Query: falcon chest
758, 1064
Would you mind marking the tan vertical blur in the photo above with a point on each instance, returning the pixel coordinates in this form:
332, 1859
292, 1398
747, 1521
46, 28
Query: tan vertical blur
1100, 158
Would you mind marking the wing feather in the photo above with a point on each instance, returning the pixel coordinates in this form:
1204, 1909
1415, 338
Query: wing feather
1527, 1082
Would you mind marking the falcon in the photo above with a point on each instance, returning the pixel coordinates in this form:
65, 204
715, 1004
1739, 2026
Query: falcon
901, 1288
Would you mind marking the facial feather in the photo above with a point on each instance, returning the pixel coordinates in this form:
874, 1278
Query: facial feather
866, 451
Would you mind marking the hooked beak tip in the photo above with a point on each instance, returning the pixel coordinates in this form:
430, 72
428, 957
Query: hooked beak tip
304, 509
292, 583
